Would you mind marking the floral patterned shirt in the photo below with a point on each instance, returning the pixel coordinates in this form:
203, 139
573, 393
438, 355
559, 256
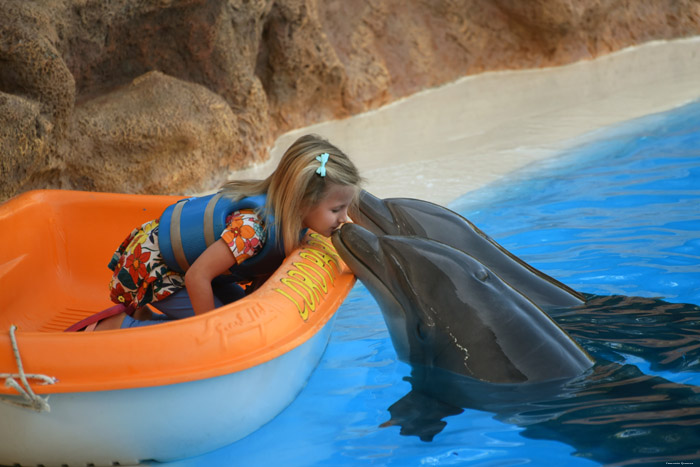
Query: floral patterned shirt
140, 275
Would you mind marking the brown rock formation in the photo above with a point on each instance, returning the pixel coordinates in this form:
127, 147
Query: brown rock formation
168, 96
156, 135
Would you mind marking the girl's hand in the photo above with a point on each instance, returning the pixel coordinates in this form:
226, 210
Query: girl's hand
215, 260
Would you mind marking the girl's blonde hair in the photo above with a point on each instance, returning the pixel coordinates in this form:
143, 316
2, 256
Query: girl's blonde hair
295, 186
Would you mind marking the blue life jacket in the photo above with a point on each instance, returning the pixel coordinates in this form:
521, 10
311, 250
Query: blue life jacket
189, 226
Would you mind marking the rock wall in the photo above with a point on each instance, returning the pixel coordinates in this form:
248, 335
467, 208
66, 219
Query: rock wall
168, 96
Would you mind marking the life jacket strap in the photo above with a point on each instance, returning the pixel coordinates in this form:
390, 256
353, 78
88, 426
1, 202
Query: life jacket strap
209, 235
176, 239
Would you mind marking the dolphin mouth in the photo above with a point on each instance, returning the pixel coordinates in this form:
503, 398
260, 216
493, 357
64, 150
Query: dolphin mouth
362, 252
358, 247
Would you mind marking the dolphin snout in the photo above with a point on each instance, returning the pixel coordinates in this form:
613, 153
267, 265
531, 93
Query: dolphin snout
374, 214
357, 246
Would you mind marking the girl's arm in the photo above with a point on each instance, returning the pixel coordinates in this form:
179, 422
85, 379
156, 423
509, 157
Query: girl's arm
215, 260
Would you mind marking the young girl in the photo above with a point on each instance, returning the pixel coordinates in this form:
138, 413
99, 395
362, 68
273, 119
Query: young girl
167, 262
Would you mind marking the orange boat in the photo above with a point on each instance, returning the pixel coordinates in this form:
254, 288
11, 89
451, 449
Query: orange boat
159, 392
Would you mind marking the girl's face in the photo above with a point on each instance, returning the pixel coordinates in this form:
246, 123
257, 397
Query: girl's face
331, 211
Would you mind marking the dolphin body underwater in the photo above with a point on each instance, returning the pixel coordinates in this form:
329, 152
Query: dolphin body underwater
445, 309
412, 217
615, 414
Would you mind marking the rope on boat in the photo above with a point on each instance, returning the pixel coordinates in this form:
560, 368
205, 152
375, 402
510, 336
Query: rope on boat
30, 399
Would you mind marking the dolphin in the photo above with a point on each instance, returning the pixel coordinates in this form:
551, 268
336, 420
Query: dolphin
443, 308
412, 217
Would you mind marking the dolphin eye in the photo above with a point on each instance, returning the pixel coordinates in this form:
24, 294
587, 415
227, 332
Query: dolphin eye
421, 331
482, 274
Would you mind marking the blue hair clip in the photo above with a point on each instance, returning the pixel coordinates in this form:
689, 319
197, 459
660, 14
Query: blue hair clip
323, 158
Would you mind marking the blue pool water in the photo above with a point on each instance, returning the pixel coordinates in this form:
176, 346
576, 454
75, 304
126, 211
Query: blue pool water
617, 217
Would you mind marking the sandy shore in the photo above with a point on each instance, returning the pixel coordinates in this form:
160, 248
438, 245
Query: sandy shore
444, 142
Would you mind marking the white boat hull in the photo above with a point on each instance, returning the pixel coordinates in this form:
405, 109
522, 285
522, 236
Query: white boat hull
158, 423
